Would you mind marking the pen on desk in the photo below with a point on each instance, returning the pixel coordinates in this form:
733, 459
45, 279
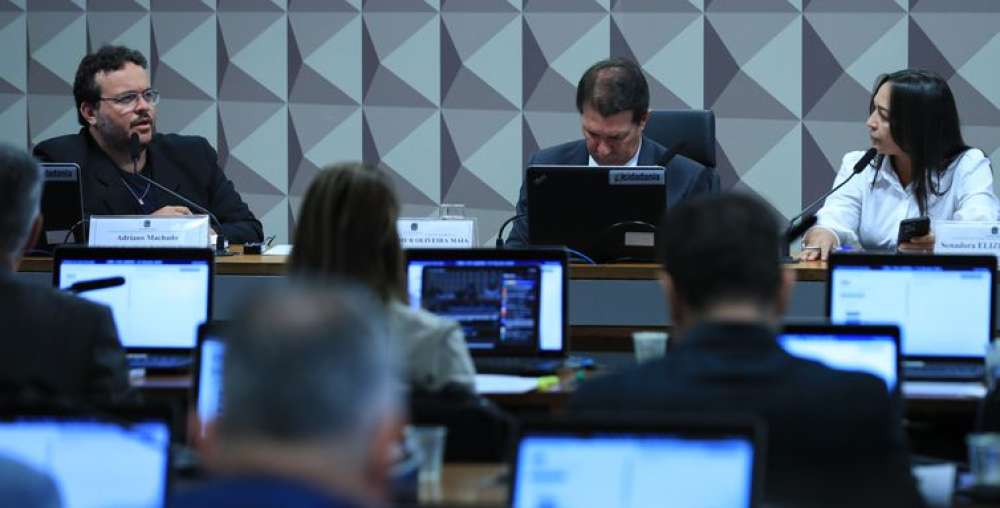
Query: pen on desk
268, 240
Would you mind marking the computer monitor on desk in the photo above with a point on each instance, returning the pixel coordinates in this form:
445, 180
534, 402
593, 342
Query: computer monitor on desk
166, 293
943, 305
119, 459
607, 213
62, 205
210, 356
862, 348
638, 462
510, 303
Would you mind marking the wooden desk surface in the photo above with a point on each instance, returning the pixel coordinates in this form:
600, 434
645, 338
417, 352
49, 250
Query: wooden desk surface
275, 265
468, 484
488, 485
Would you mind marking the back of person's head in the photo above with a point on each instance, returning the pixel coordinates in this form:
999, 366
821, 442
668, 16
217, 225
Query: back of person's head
722, 249
612, 86
20, 198
106, 59
307, 365
924, 123
347, 228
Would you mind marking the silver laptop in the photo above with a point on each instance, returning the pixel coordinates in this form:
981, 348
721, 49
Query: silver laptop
943, 305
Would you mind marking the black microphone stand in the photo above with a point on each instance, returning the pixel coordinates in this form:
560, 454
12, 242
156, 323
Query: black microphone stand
220, 238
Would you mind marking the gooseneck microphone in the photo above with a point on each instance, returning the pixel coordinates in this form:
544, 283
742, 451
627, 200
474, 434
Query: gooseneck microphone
858, 168
797, 228
84, 286
135, 149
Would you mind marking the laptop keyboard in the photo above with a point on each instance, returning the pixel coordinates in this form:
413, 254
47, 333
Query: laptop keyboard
517, 366
945, 371
159, 362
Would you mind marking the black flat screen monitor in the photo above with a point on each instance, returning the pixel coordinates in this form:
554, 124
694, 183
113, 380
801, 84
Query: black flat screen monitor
62, 205
510, 302
607, 213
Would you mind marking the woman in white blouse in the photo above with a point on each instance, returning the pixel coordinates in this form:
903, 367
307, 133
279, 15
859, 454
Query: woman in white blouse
923, 168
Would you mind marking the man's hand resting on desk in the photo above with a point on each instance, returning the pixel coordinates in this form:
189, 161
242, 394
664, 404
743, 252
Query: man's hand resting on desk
172, 211
918, 245
817, 244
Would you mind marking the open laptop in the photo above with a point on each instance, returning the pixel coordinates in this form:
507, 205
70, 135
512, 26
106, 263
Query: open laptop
113, 459
511, 304
607, 213
62, 205
209, 357
677, 462
943, 305
165, 295
872, 349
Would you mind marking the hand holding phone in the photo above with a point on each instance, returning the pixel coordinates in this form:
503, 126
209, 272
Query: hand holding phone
912, 228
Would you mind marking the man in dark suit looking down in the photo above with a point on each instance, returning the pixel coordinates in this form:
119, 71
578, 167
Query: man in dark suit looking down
53, 346
114, 101
834, 437
613, 100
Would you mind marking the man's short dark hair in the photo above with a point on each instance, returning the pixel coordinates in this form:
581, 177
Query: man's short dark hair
722, 248
106, 59
612, 86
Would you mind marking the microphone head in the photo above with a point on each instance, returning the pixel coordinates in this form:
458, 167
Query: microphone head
134, 146
865, 160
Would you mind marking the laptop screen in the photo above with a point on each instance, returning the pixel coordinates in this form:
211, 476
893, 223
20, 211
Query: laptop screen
93, 463
942, 310
872, 351
211, 354
161, 303
633, 470
504, 305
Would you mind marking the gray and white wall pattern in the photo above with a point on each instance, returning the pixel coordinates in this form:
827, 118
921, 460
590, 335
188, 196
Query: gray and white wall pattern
451, 96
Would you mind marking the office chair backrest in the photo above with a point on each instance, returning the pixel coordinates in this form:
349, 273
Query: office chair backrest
696, 128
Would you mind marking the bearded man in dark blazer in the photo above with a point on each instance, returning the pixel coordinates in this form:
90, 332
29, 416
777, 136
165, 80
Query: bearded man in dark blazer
115, 101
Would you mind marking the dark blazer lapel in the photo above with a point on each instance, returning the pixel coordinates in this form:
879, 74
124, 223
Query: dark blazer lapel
165, 170
649, 153
578, 154
105, 176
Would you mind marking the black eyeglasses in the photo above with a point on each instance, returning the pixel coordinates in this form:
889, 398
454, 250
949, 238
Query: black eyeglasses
131, 99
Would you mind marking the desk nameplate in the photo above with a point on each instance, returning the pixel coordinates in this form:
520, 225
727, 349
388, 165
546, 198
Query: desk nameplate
148, 231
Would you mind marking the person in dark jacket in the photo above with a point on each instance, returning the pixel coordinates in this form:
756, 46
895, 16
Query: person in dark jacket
53, 346
613, 100
115, 101
834, 438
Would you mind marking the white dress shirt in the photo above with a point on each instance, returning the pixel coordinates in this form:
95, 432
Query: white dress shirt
867, 215
633, 162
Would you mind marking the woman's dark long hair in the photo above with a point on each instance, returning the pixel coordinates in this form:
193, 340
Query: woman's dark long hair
923, 121
347, 228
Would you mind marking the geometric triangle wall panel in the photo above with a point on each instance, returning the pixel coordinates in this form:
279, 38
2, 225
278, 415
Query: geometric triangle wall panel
451, 97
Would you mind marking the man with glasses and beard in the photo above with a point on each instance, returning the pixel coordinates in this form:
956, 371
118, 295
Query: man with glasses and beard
114, 101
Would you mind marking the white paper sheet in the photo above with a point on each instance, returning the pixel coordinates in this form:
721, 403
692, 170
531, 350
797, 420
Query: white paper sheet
282, 249
502, 383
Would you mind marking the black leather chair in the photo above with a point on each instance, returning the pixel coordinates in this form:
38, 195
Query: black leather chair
694, 127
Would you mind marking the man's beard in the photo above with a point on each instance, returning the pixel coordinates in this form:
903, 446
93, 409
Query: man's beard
116, 138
